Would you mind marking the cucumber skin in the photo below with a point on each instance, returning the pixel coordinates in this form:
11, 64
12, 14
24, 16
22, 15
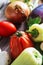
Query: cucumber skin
25, 58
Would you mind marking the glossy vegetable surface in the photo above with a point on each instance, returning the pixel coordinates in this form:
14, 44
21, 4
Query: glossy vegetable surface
19, 42
6, 28
4, 42
30, 56
38, 12
17, 11
37, 32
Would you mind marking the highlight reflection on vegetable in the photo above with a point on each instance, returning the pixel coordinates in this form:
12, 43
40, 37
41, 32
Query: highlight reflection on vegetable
30, 56
19, 42
38, 12
37, 32
17, 11
6, 28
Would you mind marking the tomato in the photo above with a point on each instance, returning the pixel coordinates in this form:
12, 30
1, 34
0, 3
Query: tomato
6, 28
19, 42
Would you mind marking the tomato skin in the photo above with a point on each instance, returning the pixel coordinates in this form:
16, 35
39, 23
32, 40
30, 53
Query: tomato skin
18, 44
15, 46
7, 28
26, 42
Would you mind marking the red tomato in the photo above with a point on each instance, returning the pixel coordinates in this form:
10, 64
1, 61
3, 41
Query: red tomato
19, 42
6, 28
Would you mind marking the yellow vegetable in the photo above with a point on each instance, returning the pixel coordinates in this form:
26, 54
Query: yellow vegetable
16, 0
39, 28
30, 56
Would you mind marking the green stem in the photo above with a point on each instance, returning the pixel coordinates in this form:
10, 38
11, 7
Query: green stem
18, 34
36, 54
34, 33
26, 1
42, 60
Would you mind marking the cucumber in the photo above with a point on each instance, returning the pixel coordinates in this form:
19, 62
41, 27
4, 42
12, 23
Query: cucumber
38, 27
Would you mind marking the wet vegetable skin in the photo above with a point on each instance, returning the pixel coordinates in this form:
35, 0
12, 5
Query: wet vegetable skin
38, 12
7, 28
19, 42
30, 56
37, 32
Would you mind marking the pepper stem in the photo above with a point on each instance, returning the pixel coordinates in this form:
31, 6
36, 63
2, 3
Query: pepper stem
18, 34
26, 0
34, 33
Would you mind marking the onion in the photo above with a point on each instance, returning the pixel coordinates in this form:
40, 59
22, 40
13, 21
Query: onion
17, 11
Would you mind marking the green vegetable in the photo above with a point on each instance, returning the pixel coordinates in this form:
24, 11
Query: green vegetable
37, 30
34, 33
30, 56
16, 0
20, 0
32, 4
26, 1
32, 21
12, 0
42, 60
37, 46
